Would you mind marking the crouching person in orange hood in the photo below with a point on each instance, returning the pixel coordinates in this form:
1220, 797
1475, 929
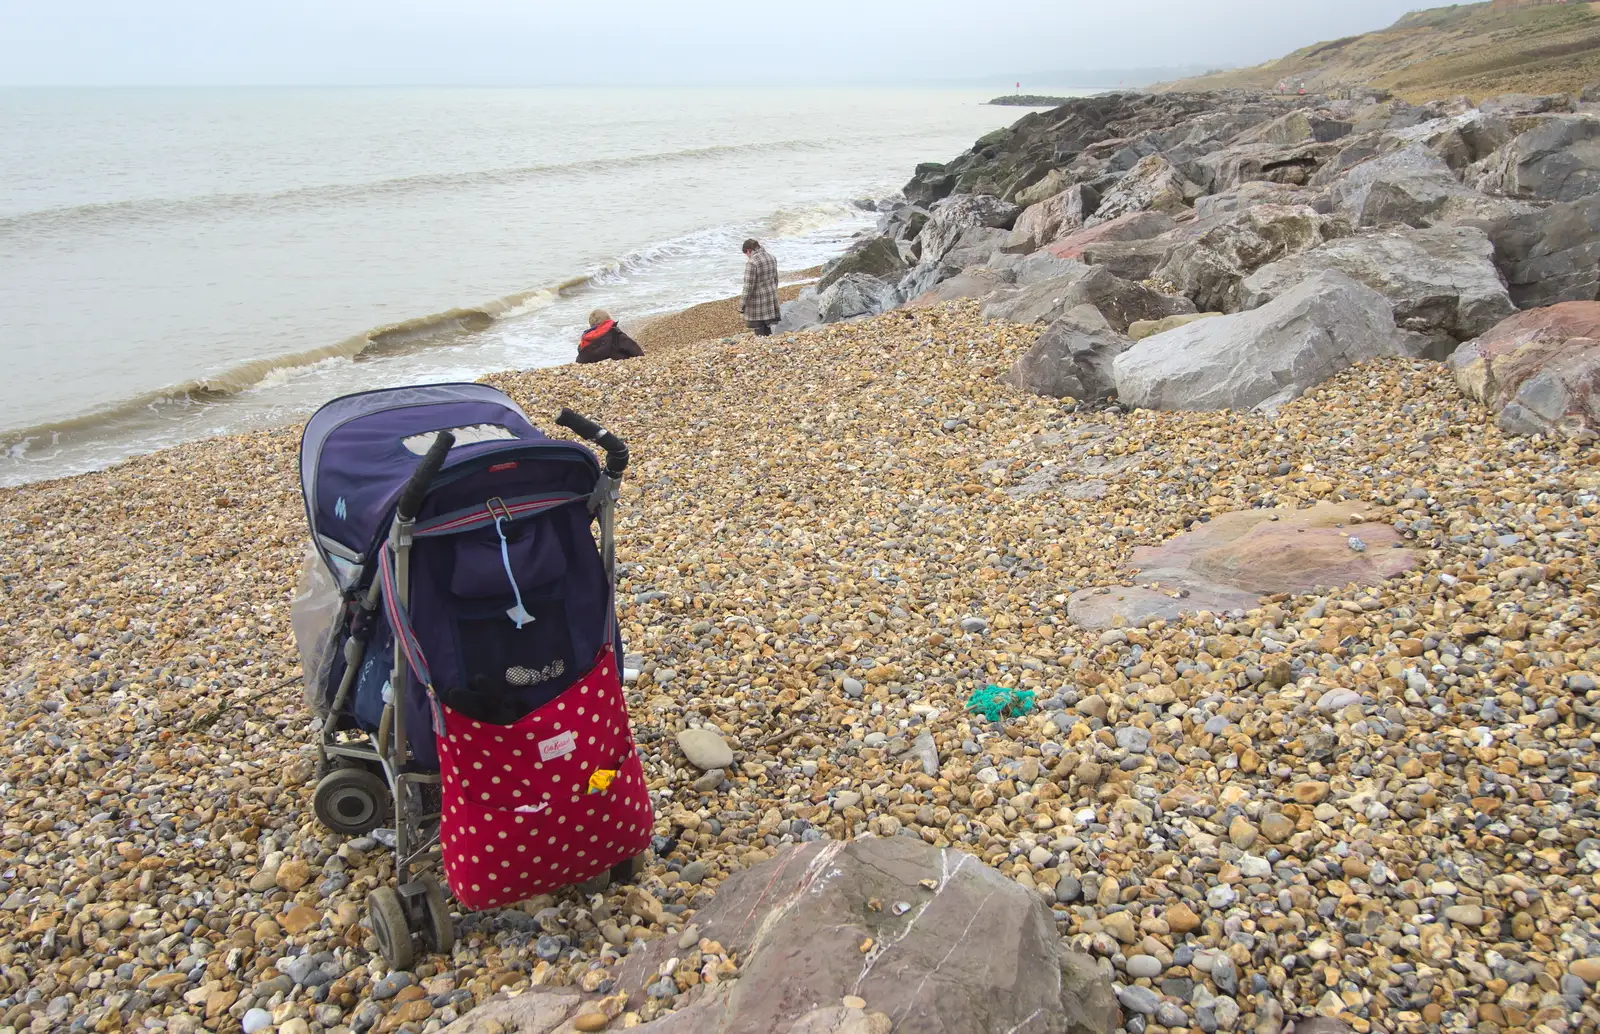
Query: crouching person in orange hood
605, 340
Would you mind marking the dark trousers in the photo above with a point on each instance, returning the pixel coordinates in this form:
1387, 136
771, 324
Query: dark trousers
763, 328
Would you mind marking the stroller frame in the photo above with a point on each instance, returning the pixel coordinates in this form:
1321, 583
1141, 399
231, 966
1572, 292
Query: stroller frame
349, 761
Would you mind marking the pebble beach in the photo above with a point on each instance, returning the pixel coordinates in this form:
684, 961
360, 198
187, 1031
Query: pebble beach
1373, 804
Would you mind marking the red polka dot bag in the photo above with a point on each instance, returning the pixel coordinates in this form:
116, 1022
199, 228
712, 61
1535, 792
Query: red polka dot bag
552, 799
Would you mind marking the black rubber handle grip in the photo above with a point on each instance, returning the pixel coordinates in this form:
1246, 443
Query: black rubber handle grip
616, 449
422, 477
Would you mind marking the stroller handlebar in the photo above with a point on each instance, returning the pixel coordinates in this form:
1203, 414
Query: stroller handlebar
616, 449
422, 477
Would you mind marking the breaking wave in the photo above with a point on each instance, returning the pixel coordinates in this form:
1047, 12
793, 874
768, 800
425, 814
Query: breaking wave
423, 332
97, 214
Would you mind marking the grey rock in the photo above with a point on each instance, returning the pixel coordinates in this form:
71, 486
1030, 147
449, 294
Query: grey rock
876, 257
1551, 255
710, 780
1209, 268
392, 984
1265, 356
693, 874
1146, 966
973, 623
976, 282
1557, 160
1007, 970
1133, 739
855, 295
1052, 218
800, 313
1153, 184
1255, 192
950, 218
1072, 358
1170, 1014
1410, 186
1440, 280
1119, 301
705, 749
926, 751
1141, 1000
852, 688
1335, 700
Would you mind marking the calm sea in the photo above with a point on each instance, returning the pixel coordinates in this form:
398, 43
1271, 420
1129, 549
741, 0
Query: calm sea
182, 263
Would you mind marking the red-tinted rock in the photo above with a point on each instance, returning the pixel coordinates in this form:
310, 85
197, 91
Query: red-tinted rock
1136, 226
1234, 559
1538, 371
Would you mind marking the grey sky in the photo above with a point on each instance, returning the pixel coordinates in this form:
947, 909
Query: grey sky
515, 42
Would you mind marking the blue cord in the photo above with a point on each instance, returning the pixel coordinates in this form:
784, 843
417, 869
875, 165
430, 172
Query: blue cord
518, 614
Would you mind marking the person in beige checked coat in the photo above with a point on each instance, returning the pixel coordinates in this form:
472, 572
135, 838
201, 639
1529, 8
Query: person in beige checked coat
759, 302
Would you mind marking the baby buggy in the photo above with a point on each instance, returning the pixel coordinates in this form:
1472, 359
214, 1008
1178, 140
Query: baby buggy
460, 649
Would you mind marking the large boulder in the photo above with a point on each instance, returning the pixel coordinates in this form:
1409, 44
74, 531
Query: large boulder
1053, 183
1138, 330
1050, 219
1152, 185
1135, 226
875, 256
953, 216
1258, 192
1538, 371
1024, 270
1551, 255
1071, 359
799, 314
1264, 357
1232, 560
1120, 301
903, 222
1210, 268
1297, 127
1131, 260
1557, 160
975, 953
1440, 280
1411, 186
856, 294
1241, 163
1525, 103
974, 247
977, 282
1460, 141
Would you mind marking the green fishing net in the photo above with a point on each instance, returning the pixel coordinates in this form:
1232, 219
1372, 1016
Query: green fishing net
996, 702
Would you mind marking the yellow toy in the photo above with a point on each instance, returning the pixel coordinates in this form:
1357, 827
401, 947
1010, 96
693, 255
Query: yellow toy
600, 780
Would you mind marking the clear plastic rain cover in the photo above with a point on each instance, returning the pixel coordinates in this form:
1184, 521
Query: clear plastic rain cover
315, 618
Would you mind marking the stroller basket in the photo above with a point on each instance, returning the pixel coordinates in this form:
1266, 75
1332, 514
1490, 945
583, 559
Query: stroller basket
459, 644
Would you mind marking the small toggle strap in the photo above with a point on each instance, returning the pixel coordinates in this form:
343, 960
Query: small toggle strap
501, 513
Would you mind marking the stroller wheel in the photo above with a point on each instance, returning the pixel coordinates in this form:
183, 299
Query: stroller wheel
439, 930
387, 915
352, 801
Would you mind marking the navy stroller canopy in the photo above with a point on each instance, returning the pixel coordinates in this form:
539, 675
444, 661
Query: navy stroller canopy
358, 451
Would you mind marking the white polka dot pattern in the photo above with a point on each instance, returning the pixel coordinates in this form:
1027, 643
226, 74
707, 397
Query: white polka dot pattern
488, 819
